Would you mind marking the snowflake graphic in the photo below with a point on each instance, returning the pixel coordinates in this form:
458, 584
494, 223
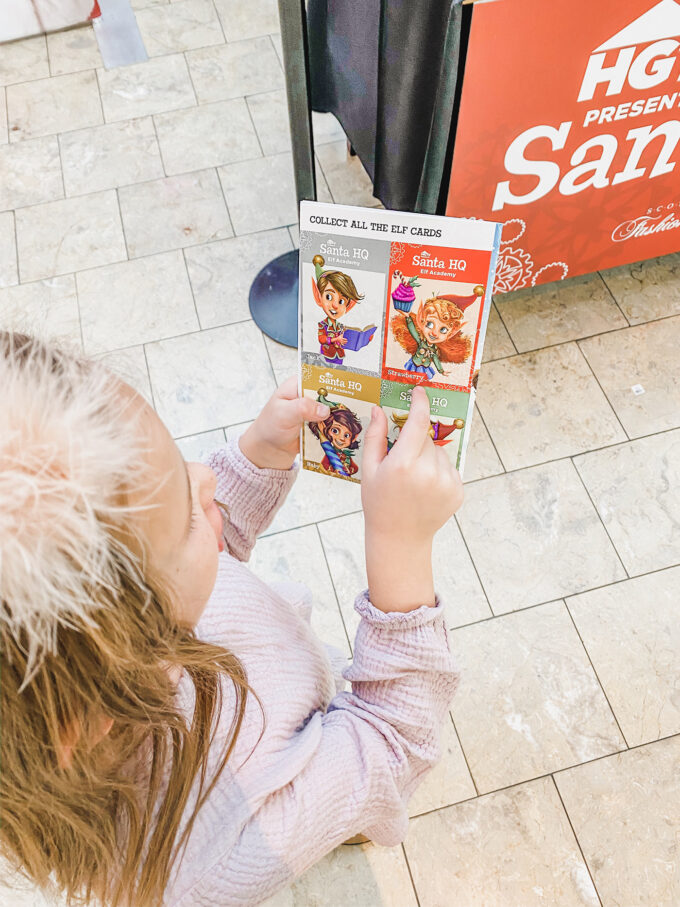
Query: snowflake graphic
397, 252
306, 241
515, 267
551, 277
521, 229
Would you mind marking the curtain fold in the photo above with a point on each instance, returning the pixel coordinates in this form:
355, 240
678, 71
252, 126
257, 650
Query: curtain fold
388, 70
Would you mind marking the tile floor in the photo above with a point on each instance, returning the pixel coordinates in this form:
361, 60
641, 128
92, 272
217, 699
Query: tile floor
136, 206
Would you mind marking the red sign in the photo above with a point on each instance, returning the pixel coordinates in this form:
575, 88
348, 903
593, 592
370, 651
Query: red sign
569, 133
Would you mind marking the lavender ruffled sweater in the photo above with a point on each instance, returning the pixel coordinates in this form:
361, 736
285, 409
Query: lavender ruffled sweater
331, 763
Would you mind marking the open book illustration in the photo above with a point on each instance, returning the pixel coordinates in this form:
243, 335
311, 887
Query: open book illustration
389, 300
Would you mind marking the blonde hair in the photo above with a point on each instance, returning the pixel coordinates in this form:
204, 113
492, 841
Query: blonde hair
87, 629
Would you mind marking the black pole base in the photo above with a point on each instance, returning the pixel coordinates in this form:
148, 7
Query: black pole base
273, 299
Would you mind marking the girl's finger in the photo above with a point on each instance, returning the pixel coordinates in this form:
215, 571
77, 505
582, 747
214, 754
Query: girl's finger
415, 432
288, 390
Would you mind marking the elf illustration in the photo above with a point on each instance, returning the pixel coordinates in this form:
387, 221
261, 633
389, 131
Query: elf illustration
434, 335
337, 294
338, 437
439, 431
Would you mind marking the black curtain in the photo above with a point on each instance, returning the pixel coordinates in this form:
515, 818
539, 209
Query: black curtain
388, 70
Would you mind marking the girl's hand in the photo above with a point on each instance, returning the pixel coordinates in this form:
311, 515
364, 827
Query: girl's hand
273, 440
407, 496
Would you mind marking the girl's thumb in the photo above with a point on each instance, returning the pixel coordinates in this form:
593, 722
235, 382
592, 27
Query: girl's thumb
375, 442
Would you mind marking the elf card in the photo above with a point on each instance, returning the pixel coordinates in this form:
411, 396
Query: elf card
389, 300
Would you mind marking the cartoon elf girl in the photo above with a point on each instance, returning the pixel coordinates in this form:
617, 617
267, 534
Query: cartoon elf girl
336, 293
434, 336
338, 436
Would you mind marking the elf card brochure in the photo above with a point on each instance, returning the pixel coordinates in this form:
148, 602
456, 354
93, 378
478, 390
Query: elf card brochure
389, 300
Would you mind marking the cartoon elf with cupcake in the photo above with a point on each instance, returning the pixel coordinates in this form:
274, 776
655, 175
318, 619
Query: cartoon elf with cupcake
336, 293
434, 334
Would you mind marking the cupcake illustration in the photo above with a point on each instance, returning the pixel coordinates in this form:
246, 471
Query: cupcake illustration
403, 296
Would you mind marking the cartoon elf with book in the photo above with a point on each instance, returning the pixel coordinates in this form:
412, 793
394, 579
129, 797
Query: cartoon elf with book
338, 436
434, 335
337, 294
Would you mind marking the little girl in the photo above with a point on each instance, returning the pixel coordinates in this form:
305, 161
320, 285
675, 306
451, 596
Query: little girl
172, 731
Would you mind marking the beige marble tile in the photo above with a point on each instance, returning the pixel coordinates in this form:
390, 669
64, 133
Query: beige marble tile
30, 173
23, 61
146, 88
278, 47
233, 432
4, 138
8, 250
248, 20
481, 459
534, 536
636, 489
647, 289
206, 136
448, 782
260, 193
297, 556
130, 365
632, 635
143, 4
545, 405
624, 811
173, 213
643, 357
513, 848
196, 447
561, 311
312, 499
135, 302
269, 111
210, 379
235, 70
53, 105
358, 876
529, 702
65, 236
455, 579
181, 26
284, 360
326, 128
497, 342
18, 892
73, 51
108, 156
348, 181
221, 274
46, 309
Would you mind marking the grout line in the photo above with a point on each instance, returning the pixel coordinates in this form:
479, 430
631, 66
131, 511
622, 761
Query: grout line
219, 22
590, 498
80, 317
474, 566
604, 393
408, 866
478, 412
61, 170
615, 300
460, 744
257, 134
604, 692
575, 765
226, 204
148, 372
578, 843
49, 59
122, 225
12, 211
158, 146
507, 330
191, 289
335, 591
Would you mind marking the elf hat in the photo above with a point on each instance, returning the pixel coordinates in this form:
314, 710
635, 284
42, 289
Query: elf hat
464, 301
318, 261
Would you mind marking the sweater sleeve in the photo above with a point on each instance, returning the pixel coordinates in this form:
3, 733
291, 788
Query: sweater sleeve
374, 744
252, 496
